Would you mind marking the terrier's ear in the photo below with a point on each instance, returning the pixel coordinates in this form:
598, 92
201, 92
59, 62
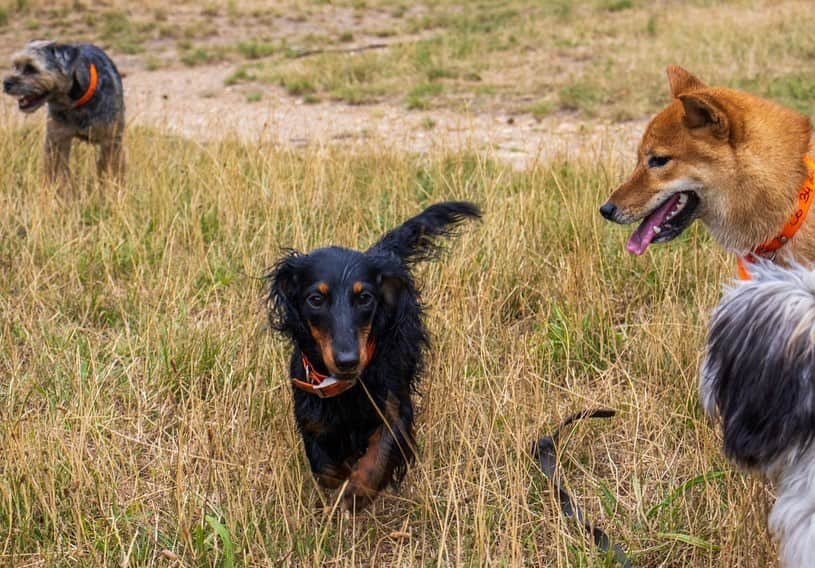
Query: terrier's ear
703, 111
681, 81
66, 57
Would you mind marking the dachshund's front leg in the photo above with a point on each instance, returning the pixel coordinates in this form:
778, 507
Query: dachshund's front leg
389, 447
329, 472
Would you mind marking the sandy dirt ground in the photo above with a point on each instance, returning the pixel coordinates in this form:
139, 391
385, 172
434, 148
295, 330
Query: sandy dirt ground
195, 103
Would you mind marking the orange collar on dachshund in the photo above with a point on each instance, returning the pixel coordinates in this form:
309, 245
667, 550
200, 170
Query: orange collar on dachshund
767, 249
91, 87
326, 386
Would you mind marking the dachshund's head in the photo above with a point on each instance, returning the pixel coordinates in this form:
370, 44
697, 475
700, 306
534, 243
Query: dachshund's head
335, 303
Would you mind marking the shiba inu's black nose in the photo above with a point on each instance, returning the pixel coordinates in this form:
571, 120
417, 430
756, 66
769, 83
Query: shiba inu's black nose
8, 83
608, 210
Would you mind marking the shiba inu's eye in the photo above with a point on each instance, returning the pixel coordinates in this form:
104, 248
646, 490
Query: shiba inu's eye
658, 161
29, 69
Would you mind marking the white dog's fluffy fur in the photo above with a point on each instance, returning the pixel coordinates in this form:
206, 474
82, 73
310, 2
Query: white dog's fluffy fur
758, 379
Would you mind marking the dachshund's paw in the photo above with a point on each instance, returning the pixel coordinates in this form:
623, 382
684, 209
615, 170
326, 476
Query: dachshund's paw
332, 476
359, 492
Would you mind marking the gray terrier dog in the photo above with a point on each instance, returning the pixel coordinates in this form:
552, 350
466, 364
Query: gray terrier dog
758, 380
85, 99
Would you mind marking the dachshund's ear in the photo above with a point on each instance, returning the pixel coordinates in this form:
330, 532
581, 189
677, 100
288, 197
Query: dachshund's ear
391, 288
284, 280
393, 281
395, 285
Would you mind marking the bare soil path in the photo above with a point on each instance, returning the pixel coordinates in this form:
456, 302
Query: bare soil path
520, 80
195, 103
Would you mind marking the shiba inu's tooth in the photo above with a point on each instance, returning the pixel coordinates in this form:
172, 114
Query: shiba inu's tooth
683, 198
657, 230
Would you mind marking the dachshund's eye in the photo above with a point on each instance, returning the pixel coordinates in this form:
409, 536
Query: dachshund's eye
365, 300
29, 69
316, 300
658, 161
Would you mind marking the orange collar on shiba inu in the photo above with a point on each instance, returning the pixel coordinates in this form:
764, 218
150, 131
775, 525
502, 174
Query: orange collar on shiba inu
91, 87
765, 250
325, 386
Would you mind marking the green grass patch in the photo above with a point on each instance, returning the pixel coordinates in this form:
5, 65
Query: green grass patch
540, 110
582, 96
420, 96
257, 49
297, 86
241, 75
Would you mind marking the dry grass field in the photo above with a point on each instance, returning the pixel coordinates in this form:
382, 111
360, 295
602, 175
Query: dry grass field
145, 408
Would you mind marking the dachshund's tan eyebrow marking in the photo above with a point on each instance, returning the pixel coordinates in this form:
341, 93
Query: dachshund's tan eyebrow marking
357, 287
322, 288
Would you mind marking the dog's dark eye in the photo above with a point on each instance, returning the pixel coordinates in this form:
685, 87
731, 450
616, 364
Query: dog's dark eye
658, 161
316, 300
365, 300
29, 69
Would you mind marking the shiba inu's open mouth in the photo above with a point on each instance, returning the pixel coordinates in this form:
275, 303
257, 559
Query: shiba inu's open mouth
664, 223
30, 103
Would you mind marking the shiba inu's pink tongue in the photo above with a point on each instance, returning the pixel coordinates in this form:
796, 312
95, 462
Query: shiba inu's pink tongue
642, 237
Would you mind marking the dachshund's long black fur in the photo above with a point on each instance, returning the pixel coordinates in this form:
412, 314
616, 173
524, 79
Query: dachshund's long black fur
357, 316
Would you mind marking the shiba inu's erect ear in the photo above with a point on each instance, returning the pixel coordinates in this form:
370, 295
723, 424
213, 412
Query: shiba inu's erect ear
681, 81
702, 110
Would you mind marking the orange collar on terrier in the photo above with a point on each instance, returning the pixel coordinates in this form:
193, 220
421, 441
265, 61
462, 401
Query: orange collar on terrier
326, 386
766, 250
91, 88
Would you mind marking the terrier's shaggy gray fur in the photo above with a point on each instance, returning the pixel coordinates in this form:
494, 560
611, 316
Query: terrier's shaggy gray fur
59, 75
758, 380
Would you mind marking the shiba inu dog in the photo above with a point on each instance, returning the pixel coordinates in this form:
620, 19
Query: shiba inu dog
737, 162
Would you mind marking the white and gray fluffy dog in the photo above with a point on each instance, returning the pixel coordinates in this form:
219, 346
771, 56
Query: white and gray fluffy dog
758, 380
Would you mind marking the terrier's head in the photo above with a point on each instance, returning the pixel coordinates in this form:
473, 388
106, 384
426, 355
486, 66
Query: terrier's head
43, 71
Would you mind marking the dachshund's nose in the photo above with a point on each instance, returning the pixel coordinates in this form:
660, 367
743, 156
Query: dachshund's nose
346, 360
608, 210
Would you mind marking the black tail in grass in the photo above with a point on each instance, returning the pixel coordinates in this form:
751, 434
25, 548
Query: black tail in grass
545, 451
417, 239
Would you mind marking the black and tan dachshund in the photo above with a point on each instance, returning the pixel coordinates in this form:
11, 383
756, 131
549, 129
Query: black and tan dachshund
355, 320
